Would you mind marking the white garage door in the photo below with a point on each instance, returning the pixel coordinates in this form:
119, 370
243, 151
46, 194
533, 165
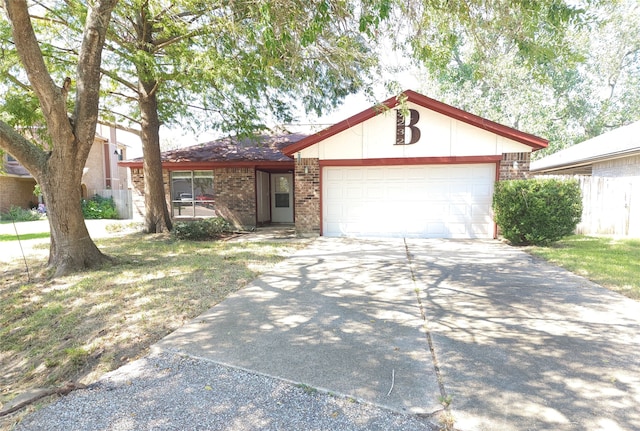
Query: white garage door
430, 201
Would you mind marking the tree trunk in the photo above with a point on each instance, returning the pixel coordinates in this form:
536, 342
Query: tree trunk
71, 249
157, 218
59, 170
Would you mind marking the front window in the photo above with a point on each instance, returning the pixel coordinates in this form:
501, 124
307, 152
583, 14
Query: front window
192, 194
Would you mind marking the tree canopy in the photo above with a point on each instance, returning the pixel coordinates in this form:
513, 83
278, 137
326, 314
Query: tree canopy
576, 85
231, 66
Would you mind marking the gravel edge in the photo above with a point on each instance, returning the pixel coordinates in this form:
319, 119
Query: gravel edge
169, 391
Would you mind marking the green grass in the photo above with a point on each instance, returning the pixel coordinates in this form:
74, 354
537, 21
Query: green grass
612, 263
24, 236
80, 326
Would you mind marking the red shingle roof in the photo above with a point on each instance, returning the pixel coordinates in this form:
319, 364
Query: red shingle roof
264, 148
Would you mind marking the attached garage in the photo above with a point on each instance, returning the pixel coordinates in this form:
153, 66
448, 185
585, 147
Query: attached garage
409, 167
429, 201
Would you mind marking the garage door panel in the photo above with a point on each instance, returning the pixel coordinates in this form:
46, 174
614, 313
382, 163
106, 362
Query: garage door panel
480, 212
459, 211
354, 193
444, 201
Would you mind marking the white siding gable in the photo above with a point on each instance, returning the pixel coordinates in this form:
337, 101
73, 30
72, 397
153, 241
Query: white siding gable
441, 136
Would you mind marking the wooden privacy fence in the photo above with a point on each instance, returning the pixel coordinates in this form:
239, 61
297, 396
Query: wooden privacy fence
610, 205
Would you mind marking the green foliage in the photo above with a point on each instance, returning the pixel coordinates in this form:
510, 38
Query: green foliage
16, 213
557, 71
201, 230
99, 207
261, 62
537, 211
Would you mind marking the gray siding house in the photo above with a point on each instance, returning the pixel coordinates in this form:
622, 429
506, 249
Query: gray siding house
608, 168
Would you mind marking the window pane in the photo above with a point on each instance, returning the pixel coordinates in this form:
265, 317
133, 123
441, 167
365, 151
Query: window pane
181, 186
282, 184
181, 174
203, 185
192, 194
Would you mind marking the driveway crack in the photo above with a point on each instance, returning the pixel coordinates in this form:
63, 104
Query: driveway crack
423, 315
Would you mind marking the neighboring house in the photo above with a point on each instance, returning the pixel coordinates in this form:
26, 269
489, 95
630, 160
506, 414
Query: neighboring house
608, 168
101, 174
102, 171
377, 173
16, 186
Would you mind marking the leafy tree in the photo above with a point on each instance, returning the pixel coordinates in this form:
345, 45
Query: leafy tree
57, 159
580, 82
230, 66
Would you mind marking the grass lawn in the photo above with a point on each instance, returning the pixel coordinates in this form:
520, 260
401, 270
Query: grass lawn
612, 263
24, 236
81, 326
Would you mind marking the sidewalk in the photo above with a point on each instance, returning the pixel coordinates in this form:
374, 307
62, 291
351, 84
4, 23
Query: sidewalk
38, 248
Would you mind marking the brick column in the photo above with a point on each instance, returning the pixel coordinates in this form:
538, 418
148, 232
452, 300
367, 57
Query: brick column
515, 166
307, 197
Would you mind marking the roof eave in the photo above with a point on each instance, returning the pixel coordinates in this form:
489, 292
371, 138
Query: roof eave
533, 141
180, 165
587, 160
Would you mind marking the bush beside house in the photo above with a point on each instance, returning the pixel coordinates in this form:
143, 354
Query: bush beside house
99, 207
17, 213
537, 211
200, 230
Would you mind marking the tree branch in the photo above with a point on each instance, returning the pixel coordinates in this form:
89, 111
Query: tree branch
17, 82
24, 37
117, 78
126, 117
89, 60
124, 96
120, 127
30, 156
163, 43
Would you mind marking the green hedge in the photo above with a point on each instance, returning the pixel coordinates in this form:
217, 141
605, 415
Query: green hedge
199, 230
537, 211
16, 213
99, 208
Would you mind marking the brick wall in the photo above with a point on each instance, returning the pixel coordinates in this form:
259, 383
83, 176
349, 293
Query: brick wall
235, 196
307, 196
137, 182
16, 191
234, 190
515, 171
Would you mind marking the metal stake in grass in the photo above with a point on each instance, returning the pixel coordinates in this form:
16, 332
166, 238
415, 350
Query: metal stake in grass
15, 228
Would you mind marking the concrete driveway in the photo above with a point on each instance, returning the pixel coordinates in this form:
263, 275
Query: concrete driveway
512, 342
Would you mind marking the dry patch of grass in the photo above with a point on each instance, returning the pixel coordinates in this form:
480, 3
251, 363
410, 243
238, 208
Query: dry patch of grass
612, 263
81, 326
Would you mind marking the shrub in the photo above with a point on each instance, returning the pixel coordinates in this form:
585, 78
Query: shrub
537, 211
201, 229
99, 208
16, 213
